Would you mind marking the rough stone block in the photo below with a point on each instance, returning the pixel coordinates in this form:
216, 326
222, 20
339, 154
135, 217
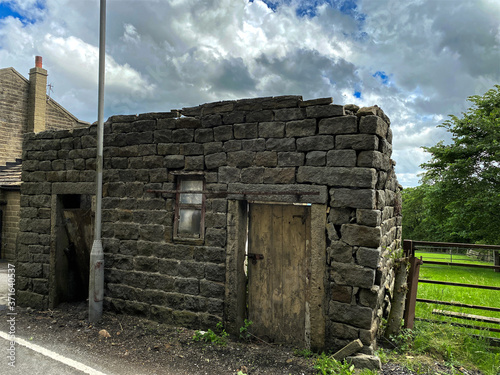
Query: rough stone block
371, 218
339, 251
341, 293
194, 163
162, 136
187, 286
373, 125
174, 161
232, 145
301, 128
217, 160
191, 269
240, 159
266, 159
182, 135
325, 110
246, 130
289, 114
319, 101
215, 272
215, 220
290, 159
126, 231
223, 133
316, 158
212, 148
370, 297
279, 175
203, 135
272, 129
212, 289
368, 257
233, 117
210, 121
260, 116
352, 275
341, 158
215, 237
361, 235
353, 315
316, 143
32, 270
357, 142
258, 144
339, 125
217, 107
364, 361
338, 176
280, 144
362, 198
374, 159
229, 175
151, 232
348, 350
252, 175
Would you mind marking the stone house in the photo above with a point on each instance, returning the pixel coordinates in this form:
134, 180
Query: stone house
24, 108
279, 210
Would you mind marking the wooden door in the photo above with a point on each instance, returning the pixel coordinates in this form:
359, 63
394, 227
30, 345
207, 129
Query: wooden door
277, 284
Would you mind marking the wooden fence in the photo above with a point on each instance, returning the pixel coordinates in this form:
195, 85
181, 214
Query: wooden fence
413, 281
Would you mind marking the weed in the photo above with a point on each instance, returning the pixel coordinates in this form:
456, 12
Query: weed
328, 365
450, 345
244, 334
306, 353
211, 336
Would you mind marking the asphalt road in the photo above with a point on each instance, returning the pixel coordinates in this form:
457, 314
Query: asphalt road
42, 358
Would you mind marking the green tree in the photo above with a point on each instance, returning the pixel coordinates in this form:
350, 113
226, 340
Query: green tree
460, 191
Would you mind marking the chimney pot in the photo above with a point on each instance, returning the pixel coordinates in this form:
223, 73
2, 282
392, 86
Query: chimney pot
38, 61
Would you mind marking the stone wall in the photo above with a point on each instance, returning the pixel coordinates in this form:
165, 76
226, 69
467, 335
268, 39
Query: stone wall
13, 114
9, 205
266, 144
14, 109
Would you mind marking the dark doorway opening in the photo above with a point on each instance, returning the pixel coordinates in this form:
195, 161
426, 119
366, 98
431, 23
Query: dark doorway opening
73, 241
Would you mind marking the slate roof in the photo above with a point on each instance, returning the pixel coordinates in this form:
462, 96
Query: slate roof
10, 174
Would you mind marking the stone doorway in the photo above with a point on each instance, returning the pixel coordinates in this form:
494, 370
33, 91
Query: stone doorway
279, 272
70, 250
309, 298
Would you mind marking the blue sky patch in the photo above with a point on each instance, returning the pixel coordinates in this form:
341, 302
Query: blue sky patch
271, 4
384, 78
308, 8
6, 11
9, 10
357, 94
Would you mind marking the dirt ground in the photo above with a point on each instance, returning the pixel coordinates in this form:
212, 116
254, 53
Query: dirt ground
162, 349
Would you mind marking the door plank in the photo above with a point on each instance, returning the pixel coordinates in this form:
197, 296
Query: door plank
259, 295
277, 295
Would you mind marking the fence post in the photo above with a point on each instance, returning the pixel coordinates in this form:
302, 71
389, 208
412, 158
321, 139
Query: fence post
411, 296
497, 260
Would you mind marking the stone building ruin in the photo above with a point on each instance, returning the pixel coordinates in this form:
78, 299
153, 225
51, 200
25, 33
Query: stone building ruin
298, 200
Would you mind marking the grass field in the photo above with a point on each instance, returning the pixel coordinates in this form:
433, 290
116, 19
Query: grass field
455, 345
472, 296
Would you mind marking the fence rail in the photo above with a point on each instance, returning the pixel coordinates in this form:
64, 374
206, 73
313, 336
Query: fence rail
409, 248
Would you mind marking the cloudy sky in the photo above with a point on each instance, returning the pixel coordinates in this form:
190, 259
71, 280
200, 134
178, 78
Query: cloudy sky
418, 60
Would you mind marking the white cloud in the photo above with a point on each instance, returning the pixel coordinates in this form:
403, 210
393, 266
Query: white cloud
173, 53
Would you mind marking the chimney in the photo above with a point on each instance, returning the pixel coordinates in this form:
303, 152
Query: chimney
37, 99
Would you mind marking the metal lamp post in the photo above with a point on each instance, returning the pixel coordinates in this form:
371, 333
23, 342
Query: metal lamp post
96, 277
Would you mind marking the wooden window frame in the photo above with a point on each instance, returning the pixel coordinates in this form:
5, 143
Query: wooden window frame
197, 206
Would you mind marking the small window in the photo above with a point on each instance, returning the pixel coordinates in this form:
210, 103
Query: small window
189, 208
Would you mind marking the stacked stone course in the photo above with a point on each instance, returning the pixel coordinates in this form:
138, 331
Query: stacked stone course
274, 144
